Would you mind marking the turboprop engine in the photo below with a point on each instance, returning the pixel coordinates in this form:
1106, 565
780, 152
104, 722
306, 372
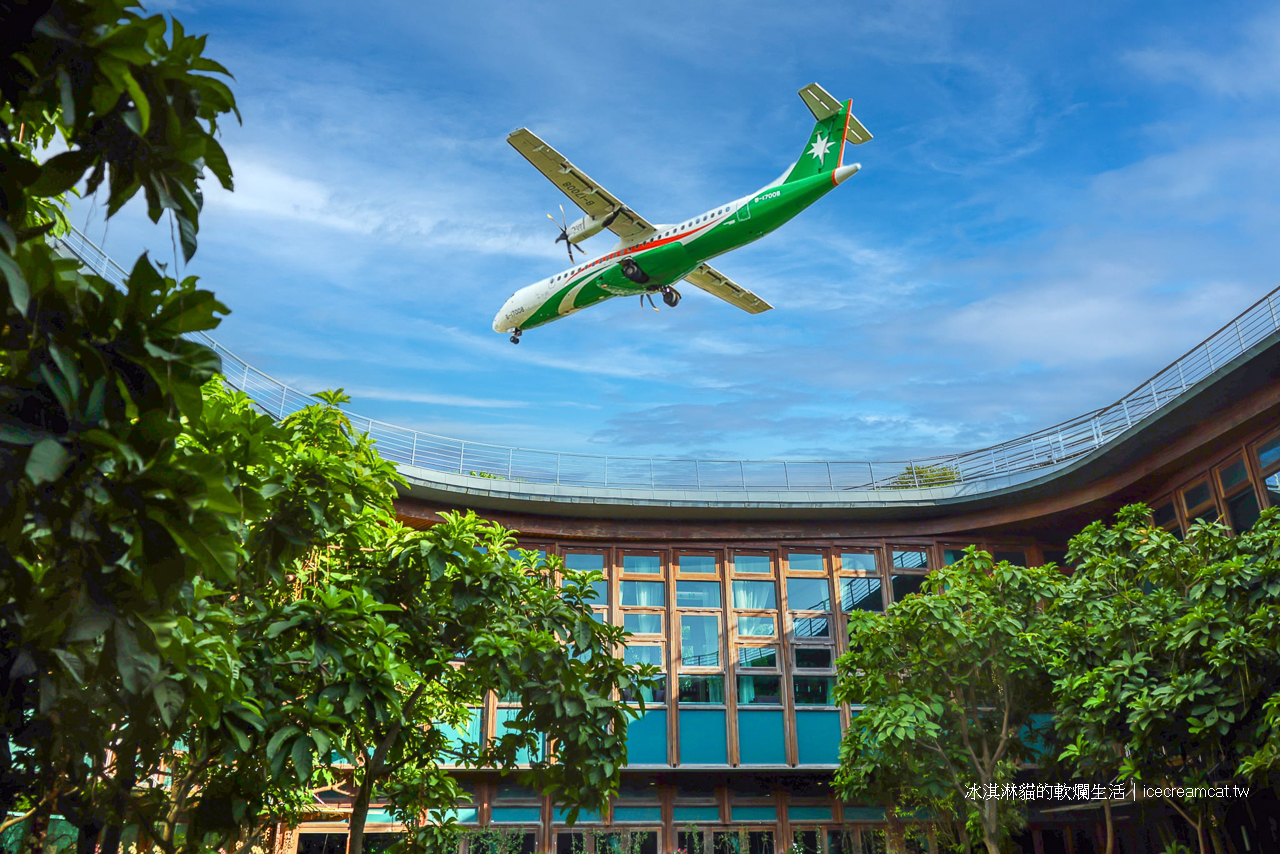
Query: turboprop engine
588, 226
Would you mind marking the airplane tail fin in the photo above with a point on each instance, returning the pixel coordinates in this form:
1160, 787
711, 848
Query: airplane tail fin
836, 124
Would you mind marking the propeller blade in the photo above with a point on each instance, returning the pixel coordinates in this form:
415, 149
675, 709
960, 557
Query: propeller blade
564, 223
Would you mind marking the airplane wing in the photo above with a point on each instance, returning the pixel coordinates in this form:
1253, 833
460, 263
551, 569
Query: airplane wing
574, 183
718, 284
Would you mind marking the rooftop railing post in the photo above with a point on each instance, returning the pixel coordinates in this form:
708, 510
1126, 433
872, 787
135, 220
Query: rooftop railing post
1239, 335
462, 456
742, 473
606, 471
871, 473
915, 473
1128, 422
557, 469
697, 475
652, 484
1155, 398
1181, 378
1275, 324
244, 383
786, 475
830, 483
1209, 354
413, 453
282, 393
511, 453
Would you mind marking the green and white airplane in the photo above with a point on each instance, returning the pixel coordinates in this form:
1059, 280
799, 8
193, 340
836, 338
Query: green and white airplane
651, 258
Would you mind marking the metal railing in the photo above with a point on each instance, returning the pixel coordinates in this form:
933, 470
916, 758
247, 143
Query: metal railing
1026, 455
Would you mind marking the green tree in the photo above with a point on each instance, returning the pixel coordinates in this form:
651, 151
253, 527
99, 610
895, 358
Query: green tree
921, 475
1169, 666
952, 684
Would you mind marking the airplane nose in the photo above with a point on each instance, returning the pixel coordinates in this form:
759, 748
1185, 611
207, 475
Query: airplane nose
844, 172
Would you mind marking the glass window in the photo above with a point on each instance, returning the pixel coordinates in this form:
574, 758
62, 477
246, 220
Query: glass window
1232, 474
642, 564
757, 656
705, 564
602, 592
806, 562
752, 563
1165, 514
1015, 558
861, 594
649, 594
950, 556
861, 561
760, 689
1269, 453
1197, 495
643, 655
814, 690
700, 640
697, 594
910, 560
904, 585
813, 657
643, 624
1273, 489
584, 561
808, 594
701, 689
1243, 510
756, 627
1058, 557
755, 595
812, 627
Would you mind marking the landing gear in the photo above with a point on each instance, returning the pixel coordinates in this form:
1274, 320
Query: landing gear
515, 336
671, 296
632, 271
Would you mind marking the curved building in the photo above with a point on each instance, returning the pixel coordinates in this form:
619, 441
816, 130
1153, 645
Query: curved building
735, 578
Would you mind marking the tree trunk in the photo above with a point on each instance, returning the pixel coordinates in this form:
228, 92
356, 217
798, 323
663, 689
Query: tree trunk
126, 779
990, 827
1111, 827
360, 810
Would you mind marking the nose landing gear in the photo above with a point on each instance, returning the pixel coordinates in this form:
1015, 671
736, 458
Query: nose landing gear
515, 336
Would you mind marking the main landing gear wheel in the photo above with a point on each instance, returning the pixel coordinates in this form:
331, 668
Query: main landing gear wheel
632, 271
671, 297
515, 337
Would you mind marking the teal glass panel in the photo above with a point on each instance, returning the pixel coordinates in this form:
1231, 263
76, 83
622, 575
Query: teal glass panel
950, 556
467, 815
647, 814
702, 737
864, 814
522, 815
584, 817
380, 817
860, 561
818, 737
1269, 452
523, 757
643, 624
697, 594
645, 594
696, 814
809, 813
700, 640
756, 627
763, 690
753, 814
761, 739
698, 563
469, 731
701, 689
602, 592
806, 561
643, 655
910, 560
1233, 474
539, 558
808, 594
752, 563
647, 738
642, 564
861, 594
755, 595
583, 562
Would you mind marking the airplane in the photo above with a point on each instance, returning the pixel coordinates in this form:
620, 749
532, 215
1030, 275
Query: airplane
650, 258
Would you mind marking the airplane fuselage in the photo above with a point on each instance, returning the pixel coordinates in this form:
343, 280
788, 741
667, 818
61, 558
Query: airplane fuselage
666, 256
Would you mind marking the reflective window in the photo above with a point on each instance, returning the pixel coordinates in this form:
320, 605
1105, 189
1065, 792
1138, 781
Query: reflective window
760, 689
806, 562
1269, 453
699, 640
697, 594
1196, 495
756, 627
642, 564
754, 595
905, 559
752, 563
649, 594
584, 562
643, 624
643, 655
698, 563
1232, 474
808, 594
701, 689
813, 690
950, 556
1273, 489
813, 657
904, 585
812, 627
861, 561
757, 656
861, 594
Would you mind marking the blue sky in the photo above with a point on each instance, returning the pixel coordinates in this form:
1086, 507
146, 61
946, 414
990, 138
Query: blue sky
1059, 200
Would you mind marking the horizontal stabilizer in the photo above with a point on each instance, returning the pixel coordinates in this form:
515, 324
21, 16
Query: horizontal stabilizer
855, 132
820, 102
718, 284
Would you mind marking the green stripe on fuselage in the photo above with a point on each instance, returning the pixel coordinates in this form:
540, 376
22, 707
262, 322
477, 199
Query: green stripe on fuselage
670, 262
